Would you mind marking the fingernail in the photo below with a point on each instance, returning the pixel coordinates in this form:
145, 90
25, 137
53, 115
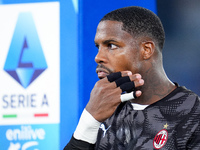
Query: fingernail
129, 73
138, 76
141, 81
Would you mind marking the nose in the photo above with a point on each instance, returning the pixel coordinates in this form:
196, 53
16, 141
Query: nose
101, 56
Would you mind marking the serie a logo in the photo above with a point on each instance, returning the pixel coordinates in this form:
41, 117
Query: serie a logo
25, 59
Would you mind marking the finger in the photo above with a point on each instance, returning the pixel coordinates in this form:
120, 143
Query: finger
135, 77
126, 73
122, 80
114, 76
128, 87
139, 82
128, 96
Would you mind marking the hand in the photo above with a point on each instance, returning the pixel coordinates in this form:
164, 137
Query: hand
105, 96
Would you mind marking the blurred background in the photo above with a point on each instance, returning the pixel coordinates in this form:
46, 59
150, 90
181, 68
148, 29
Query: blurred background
181, 52
44, 114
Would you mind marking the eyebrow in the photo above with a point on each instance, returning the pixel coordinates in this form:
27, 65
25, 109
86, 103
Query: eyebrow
107, 41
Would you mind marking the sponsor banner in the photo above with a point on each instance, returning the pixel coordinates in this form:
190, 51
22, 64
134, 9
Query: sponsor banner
30, 137
30, 63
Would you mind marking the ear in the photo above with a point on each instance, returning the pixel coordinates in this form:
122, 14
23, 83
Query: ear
148, 49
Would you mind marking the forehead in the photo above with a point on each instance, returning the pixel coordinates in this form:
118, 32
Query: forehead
111, 30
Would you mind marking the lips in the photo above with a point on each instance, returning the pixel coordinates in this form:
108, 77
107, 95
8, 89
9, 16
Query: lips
102, 73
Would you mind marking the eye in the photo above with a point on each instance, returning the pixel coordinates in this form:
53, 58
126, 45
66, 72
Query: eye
112, 46
97, 46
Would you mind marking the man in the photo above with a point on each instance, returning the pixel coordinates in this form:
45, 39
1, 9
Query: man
134, 105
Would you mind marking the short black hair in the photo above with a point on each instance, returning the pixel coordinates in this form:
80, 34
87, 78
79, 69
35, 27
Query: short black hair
139, 21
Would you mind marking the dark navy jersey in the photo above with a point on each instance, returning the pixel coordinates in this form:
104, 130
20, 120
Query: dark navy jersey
169, 124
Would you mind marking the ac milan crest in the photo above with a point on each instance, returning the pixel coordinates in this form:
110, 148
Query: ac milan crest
160, 139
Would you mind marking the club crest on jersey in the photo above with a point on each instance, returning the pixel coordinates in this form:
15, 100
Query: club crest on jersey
160, 139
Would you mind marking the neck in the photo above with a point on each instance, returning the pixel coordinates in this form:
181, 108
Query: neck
156, 86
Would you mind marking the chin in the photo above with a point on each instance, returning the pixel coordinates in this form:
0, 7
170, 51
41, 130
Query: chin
101, 77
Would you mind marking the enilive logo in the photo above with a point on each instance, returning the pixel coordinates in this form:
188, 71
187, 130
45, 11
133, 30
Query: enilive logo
25, 60
26, 133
